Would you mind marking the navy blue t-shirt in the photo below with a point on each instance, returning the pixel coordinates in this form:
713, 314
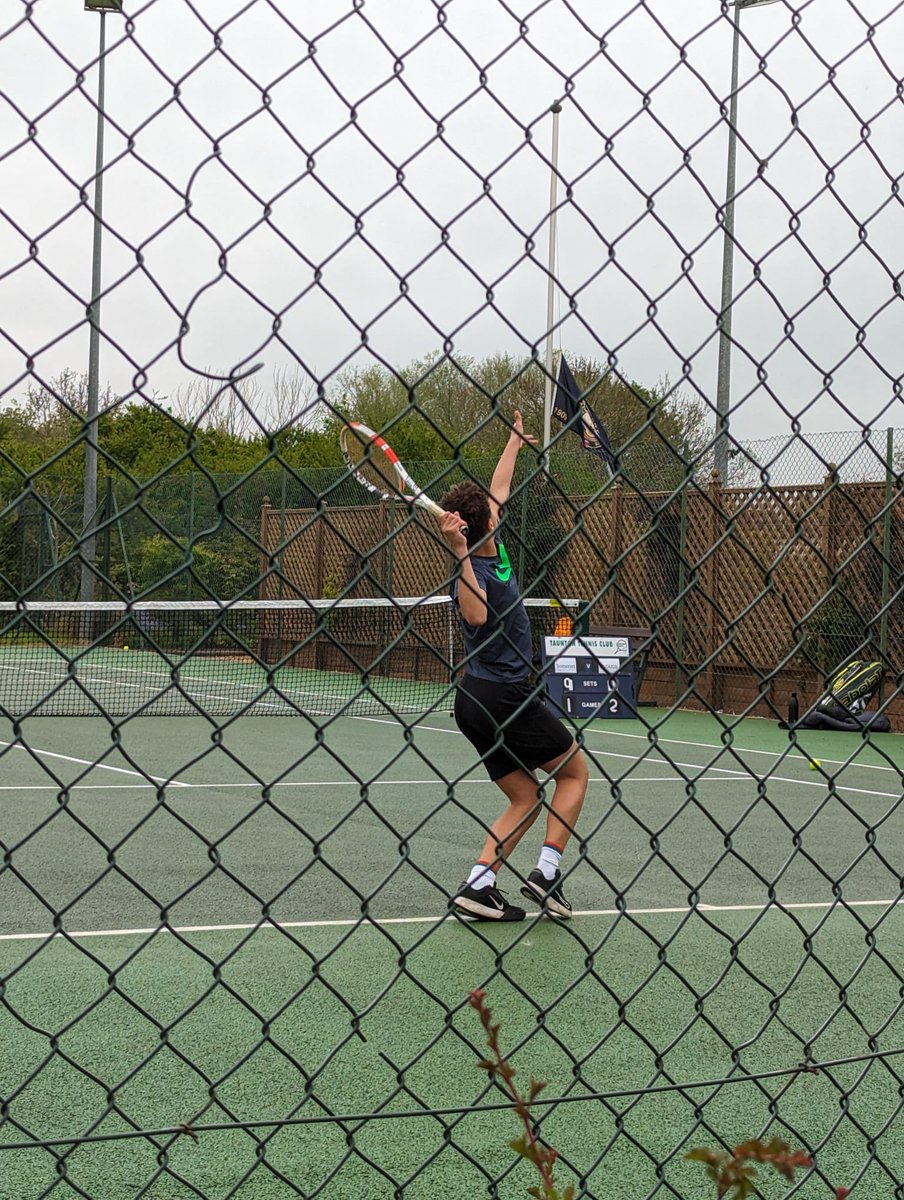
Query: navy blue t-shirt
500, 649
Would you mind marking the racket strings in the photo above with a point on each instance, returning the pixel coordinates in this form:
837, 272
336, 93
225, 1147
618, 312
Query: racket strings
371, 464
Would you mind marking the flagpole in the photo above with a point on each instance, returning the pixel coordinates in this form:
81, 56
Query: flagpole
555, 109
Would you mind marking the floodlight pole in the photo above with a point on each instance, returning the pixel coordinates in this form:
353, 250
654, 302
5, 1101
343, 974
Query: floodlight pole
555, 109
723, 385
88, 545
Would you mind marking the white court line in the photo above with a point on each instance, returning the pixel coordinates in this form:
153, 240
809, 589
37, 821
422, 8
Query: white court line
729, 776
89, 762
439, 920
318, 783
731, 772
839, 762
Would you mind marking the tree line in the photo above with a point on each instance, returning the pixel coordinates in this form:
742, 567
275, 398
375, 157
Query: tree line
438, 410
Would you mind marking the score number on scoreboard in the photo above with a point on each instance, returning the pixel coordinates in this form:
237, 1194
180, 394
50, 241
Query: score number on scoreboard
590, 676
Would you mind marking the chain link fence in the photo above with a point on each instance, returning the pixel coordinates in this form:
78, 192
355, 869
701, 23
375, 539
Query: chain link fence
164, 539
230, 962
857, 456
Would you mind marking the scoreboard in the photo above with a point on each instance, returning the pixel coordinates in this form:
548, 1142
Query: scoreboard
590, 677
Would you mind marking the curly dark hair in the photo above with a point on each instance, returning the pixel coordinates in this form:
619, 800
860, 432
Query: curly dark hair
470, 501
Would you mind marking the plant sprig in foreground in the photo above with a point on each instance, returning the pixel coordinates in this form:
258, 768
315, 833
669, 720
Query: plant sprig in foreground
528, 1145
732, 1171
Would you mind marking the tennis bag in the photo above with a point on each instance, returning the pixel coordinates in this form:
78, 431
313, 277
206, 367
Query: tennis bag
843, 706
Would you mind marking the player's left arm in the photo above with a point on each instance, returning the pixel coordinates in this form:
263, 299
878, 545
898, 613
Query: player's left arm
501, 483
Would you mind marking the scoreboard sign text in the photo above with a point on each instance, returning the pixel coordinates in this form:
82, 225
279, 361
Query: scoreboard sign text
590, 676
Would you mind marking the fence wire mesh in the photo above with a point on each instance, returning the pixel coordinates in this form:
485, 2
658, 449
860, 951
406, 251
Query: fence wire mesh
230, 960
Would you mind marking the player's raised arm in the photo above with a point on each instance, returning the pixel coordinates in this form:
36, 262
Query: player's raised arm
501, 483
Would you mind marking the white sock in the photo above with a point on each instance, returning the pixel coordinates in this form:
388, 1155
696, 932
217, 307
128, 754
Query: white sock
481, 876
550, 857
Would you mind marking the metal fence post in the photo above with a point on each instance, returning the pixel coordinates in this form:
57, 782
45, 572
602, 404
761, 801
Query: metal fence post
615, 554
886, 556
105, 553
282, 533
389, 555
23, 538
713, 631
682, 583
191, 525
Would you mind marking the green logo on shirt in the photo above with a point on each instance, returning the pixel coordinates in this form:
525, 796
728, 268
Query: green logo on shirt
504, 570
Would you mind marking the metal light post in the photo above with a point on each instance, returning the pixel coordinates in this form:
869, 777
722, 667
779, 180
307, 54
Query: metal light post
88, 546
555, 109
723, 386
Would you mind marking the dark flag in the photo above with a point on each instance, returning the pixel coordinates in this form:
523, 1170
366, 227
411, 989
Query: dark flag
577, 415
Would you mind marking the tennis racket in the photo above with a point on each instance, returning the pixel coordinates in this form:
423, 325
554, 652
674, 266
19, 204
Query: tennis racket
376, 465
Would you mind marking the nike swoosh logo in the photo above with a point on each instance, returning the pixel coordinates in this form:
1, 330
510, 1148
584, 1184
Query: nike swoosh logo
504, 570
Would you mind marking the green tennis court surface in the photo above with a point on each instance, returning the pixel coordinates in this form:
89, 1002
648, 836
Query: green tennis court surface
737, 915
143, 681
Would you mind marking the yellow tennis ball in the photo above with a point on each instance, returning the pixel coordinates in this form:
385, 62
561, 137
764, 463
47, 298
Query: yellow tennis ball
815, 764
125, 647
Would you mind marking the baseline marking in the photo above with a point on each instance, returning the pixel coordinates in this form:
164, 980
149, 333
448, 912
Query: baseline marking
732, 773
840, 762
314, 783
89, 762
440, 920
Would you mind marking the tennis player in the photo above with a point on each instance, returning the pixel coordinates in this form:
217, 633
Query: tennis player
496, 707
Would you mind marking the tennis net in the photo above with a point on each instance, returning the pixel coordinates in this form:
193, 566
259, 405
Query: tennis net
256, 657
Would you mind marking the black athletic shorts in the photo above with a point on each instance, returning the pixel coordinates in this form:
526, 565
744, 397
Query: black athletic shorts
534, 737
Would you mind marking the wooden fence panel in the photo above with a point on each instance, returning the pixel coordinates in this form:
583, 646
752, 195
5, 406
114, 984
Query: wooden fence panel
584, 569
771, 575
419, 564
292, 538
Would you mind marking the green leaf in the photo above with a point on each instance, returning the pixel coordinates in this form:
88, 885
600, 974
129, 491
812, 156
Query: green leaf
701, 1154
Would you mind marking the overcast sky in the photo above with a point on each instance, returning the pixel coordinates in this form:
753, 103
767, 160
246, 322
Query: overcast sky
281, 162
